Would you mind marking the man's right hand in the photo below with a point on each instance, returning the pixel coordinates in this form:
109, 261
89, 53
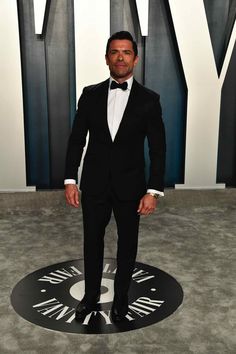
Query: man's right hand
72, 195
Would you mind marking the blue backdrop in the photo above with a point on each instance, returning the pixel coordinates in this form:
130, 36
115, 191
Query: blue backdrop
48, 68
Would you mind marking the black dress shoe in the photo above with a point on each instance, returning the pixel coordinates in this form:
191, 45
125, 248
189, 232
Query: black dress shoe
119, 310
85, 307
116, 315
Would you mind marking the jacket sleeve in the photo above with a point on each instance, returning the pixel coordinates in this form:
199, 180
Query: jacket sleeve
157, 146
77, 139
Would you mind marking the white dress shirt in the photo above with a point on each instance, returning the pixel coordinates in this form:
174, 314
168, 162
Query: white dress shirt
116, 104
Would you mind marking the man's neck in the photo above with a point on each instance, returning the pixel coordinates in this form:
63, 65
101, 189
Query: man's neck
121, 80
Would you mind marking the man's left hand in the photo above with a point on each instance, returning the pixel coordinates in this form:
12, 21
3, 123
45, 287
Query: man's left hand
147, 205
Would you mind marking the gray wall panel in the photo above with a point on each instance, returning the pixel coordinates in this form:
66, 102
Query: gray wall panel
58, 86
49, 90
35, 98
124, 18
163, 73
226, 171
221, 17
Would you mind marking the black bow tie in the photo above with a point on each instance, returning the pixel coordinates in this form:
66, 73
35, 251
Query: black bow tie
115, 85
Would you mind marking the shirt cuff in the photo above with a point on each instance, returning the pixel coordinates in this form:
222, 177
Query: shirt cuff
69, 181
161, 194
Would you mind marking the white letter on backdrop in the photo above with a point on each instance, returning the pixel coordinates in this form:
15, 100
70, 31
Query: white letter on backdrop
204, 91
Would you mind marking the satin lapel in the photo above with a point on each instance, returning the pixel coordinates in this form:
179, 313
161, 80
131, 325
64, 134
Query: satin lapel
130, 107
101, 107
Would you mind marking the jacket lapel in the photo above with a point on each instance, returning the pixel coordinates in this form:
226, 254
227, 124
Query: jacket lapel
130, 107
101, 107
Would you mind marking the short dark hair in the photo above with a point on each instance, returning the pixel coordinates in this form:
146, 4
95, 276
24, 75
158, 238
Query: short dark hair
122, 35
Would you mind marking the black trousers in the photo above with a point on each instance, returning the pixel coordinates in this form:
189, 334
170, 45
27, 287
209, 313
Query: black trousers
96, 215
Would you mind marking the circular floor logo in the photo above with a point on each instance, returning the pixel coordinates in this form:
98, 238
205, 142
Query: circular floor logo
48, 298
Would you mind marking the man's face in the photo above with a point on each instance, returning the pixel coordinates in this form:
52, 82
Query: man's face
121, 59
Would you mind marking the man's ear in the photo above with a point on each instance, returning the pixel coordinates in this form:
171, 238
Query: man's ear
107, 60
136, 60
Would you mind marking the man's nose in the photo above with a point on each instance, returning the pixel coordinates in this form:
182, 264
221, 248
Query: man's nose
120, 57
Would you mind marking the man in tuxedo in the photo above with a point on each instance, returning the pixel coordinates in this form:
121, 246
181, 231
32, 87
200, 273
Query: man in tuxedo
119, 114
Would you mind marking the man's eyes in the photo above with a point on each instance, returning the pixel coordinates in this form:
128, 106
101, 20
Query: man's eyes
127, 52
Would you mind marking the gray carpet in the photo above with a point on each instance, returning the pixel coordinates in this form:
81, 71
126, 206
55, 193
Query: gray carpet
191, 236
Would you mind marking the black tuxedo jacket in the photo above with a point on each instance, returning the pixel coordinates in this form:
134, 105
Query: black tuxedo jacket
118, 164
